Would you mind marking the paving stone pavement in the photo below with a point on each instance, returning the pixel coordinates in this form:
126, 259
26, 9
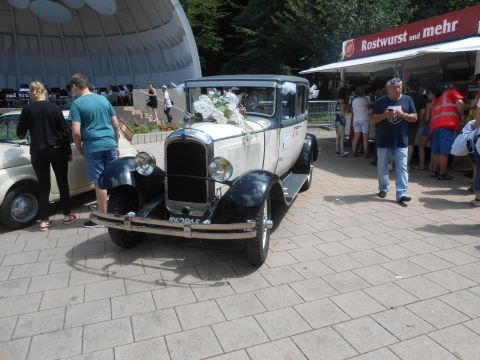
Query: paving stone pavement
349, 276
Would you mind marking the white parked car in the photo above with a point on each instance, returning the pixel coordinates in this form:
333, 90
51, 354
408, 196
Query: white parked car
230, 173
18, 182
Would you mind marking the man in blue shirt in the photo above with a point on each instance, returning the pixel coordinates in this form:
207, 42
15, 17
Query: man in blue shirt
95, 133
392, 114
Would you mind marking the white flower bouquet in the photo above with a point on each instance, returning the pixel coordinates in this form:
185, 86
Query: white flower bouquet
223, 107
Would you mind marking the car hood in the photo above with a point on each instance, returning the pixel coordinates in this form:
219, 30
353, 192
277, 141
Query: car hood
222, 131
12, 155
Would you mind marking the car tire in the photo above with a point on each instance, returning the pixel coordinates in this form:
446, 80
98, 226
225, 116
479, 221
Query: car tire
120, 203
20, 207
257, 248
306, 185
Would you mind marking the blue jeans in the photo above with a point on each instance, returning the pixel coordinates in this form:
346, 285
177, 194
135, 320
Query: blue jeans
97, 162
476, 187
400, 156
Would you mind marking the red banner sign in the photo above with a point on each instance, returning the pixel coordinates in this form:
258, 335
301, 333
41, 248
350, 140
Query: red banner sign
451, 26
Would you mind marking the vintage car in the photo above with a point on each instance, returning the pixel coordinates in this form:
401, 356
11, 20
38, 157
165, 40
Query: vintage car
221, 179
18, 182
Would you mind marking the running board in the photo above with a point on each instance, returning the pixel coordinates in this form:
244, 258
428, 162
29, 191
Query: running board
292, 185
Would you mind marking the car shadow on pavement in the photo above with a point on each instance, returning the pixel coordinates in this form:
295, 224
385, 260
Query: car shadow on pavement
448, 191
451, 229
162, 262
444, 204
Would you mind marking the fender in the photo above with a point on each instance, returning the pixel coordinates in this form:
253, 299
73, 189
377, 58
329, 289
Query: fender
118, 173
315, 146
309, 154
246, 196
121, 172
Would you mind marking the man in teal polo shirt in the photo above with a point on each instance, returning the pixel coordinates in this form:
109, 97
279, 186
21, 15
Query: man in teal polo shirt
95, 134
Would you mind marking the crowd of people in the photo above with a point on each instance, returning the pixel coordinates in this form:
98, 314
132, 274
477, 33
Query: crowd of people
403, 120
118, 95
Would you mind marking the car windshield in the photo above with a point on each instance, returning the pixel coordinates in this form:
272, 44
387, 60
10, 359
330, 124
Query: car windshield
251, 100
8, 130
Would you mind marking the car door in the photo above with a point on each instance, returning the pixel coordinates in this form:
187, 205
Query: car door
77, 171
293, 127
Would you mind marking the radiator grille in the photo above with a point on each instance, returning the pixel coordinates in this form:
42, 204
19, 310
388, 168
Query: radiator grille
186, 158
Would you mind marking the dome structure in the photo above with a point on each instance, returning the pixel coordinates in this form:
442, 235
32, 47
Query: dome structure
112, 41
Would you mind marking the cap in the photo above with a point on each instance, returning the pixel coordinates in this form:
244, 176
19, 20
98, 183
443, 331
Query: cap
394, 81
164, 86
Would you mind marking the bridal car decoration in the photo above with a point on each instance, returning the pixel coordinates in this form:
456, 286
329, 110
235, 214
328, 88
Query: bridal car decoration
223, 107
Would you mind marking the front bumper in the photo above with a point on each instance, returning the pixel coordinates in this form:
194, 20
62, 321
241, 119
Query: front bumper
130, 222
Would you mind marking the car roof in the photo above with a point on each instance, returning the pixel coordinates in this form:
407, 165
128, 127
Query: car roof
250, 77
66, 113
13, 112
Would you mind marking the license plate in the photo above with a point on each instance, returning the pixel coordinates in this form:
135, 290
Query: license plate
184, 220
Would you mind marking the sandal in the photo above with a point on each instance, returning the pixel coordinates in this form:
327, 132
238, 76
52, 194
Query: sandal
69, 219
445, 177
46, 225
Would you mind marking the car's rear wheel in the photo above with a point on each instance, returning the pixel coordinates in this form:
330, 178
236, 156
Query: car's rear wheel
122, 202
20, 207
308, 182
257, 248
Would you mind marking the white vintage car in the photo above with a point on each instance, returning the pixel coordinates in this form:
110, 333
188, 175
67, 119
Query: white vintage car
230, 173
18, 182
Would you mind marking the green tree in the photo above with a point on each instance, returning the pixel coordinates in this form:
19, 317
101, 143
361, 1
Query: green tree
284, 36
254, 46
319, 27
204, 17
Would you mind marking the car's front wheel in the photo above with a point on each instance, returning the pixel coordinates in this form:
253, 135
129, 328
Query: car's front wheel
121, 203
20, 207
257, 248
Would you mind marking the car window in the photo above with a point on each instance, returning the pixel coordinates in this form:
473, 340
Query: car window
288, 108
254, 100
8, 130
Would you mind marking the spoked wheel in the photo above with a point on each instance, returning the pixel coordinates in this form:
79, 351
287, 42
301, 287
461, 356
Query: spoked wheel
121, 203
257, 248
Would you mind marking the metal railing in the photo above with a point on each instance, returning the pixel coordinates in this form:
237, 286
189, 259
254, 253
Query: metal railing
321, 112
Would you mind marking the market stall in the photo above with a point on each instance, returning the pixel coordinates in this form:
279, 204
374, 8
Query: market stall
442, 49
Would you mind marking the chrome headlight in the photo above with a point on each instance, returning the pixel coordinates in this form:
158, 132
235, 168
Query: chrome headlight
220, 169
145, 163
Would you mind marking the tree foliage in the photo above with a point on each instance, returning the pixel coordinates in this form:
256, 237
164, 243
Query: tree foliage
284, 36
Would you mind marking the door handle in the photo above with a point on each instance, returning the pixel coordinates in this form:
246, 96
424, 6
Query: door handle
297, 127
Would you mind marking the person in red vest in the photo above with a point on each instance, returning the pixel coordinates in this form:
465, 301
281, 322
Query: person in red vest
446, 118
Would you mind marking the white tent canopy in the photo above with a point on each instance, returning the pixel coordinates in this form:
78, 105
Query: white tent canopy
112, 41
379, 62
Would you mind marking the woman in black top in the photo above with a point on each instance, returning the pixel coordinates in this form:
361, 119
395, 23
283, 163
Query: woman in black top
152, 101
49, 145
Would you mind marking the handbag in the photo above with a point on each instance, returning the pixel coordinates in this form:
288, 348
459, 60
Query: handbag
462, 144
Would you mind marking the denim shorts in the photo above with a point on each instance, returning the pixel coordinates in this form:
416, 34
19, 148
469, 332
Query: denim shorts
426, 131
442, 141
97, 163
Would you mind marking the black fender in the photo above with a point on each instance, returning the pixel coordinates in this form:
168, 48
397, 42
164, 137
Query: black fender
309, 154
119, 172
122, 173
246, 196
